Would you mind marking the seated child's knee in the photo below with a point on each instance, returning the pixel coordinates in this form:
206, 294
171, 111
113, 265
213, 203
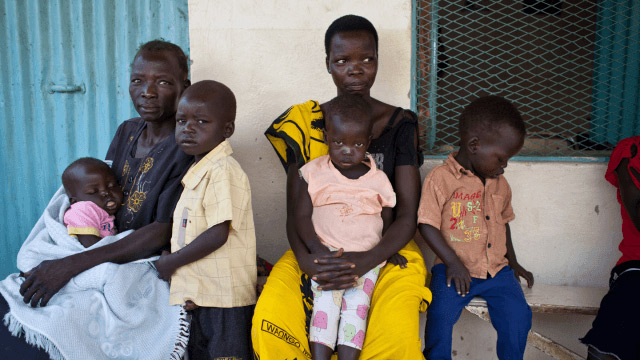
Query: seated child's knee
522, 316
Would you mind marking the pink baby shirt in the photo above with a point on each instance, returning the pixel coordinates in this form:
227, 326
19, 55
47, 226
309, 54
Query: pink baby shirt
87, 218
346, 212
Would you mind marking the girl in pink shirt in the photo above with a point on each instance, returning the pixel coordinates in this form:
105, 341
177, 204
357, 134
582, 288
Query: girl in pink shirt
346, 206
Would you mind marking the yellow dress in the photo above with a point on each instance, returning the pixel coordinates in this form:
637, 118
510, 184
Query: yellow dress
280, 323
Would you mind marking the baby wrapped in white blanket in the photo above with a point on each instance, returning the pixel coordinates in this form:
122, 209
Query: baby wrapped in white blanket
109, 311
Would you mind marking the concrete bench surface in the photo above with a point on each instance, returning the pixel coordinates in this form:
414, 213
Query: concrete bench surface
558, 299
551, 299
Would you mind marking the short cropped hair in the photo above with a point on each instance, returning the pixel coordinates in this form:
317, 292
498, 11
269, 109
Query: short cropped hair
349, 23
350, 108
68, 173
487, 113
161, 45
215, 93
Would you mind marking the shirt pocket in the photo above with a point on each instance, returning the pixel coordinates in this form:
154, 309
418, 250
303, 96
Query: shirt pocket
498, 206
182, 229
196, 222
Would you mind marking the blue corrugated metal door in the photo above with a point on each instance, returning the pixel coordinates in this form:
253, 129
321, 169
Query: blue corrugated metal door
63, 91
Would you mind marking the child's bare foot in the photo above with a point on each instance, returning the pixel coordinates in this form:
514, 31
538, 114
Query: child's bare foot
190, 305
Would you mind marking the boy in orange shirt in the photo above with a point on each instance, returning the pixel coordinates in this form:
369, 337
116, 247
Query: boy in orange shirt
463, 215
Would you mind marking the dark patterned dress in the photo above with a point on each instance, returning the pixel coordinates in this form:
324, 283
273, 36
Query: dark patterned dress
151, 184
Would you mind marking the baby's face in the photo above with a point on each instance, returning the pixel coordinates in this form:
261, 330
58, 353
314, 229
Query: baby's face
347, 141
98, 185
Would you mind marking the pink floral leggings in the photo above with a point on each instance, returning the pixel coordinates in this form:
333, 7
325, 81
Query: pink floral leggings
342, 314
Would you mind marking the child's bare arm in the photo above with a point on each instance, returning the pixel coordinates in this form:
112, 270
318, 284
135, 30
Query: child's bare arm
88, 240
203, 245
518, 270
304, 225
387, 218
456, 271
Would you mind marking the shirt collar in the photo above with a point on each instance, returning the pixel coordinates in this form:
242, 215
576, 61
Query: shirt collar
198, 170
456, 169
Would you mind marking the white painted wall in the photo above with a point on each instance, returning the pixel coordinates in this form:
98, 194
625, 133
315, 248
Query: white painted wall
271, 54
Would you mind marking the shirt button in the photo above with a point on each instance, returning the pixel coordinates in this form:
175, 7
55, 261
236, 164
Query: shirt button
130, 178
489, 245
126, 193
487, 217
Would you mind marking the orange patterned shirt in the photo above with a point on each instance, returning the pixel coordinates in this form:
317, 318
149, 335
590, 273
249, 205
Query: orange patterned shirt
471, 216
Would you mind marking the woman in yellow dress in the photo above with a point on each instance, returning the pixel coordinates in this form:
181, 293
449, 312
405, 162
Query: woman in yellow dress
281, 320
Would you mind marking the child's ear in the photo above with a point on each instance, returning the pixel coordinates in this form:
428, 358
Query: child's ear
473, 144
326, 63
324, 135
229, 128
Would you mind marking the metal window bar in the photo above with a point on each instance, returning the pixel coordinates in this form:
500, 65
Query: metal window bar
570, 66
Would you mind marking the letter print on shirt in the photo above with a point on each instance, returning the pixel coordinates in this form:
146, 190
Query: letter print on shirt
464, 218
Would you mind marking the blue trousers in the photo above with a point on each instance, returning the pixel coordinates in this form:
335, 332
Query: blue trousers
508, 309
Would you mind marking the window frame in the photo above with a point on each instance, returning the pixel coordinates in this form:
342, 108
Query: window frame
430, 138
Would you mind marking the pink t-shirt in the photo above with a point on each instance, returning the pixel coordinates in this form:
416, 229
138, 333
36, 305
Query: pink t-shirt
87, 218
346, 212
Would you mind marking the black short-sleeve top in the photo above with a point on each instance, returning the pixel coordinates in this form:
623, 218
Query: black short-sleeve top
396, 146
151, 184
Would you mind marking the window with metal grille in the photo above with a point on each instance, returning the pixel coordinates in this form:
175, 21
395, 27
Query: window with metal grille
570, 66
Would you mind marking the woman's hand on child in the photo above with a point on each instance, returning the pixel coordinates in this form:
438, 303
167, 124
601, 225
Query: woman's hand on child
519, 271
397, 259
363, 261
333, 271
164, 267
45, 280
458, 274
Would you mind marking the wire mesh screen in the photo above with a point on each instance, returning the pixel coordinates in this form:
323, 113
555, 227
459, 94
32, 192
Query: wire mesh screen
571, 67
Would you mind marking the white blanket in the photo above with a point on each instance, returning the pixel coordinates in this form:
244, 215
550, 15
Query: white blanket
108, 312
